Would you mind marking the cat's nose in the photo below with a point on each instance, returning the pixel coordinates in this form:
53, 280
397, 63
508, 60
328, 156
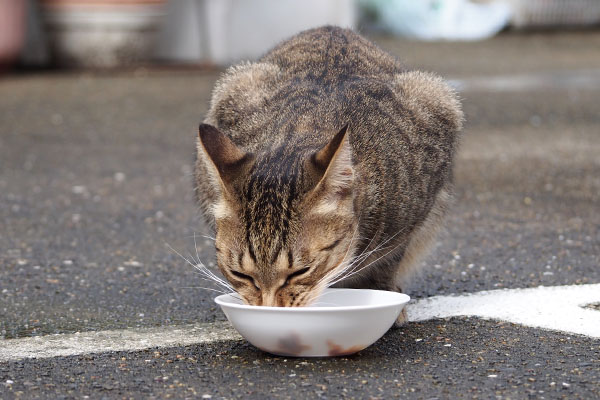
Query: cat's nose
269, 299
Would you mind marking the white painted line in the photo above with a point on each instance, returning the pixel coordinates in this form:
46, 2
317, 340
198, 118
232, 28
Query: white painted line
115, 340
555, 308
558, 308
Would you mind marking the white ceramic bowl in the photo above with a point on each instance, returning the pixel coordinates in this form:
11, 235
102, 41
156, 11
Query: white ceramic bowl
342, 322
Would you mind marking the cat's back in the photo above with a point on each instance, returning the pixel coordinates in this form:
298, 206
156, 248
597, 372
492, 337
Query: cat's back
322, 79
309, 79
331, 54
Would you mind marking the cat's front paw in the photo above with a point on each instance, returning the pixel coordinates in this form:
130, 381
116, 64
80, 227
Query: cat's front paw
402, 319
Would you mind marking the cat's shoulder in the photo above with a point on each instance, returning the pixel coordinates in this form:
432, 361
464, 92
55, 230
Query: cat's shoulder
242, 89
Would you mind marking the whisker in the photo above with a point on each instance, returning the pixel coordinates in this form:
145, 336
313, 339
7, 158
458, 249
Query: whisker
374, 261
179, 254
351, 264
204, 287
355, 268
355, 236
354, 271
233, 294
212, 280
312, 298
203, 236
203, 270
200, 262
196, 247
210, 276
201, 267
206, 237
354, 259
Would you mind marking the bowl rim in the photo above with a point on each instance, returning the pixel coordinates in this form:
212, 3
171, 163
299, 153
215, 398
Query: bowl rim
403, 299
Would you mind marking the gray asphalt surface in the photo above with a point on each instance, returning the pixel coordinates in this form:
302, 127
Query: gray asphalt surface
95, 178
485, 360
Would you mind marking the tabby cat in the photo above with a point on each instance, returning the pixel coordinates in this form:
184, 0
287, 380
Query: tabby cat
325, 163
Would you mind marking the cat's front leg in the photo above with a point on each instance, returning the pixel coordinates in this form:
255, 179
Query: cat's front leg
385, 284
402, 319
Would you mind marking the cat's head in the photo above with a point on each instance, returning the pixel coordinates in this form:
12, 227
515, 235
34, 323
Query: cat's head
285, 221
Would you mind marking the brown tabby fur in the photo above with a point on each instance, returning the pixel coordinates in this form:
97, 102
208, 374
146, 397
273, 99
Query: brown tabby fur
324, 150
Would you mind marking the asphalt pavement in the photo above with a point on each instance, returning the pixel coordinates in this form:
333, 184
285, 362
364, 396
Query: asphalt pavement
95, 185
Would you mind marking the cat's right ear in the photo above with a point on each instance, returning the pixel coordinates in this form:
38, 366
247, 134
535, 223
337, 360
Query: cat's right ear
331, 168
226, 162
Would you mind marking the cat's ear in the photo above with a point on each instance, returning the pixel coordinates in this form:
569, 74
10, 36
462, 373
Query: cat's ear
332, 165
226, 162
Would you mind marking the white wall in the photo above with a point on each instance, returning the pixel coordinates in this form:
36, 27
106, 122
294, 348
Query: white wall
226, 31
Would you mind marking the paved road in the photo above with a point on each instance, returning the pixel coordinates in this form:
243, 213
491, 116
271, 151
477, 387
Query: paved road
95, 179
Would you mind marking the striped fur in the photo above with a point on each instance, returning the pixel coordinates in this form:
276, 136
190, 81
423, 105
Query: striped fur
335, 143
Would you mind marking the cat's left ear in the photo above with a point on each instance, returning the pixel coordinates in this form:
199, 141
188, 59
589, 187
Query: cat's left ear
332, 165
226, 162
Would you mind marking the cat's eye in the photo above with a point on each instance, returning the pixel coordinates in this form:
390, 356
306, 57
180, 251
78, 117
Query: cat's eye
332, 245
296, 274
245, 278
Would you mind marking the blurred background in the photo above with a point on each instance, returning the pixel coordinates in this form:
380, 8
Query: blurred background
113, 33
100, 101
